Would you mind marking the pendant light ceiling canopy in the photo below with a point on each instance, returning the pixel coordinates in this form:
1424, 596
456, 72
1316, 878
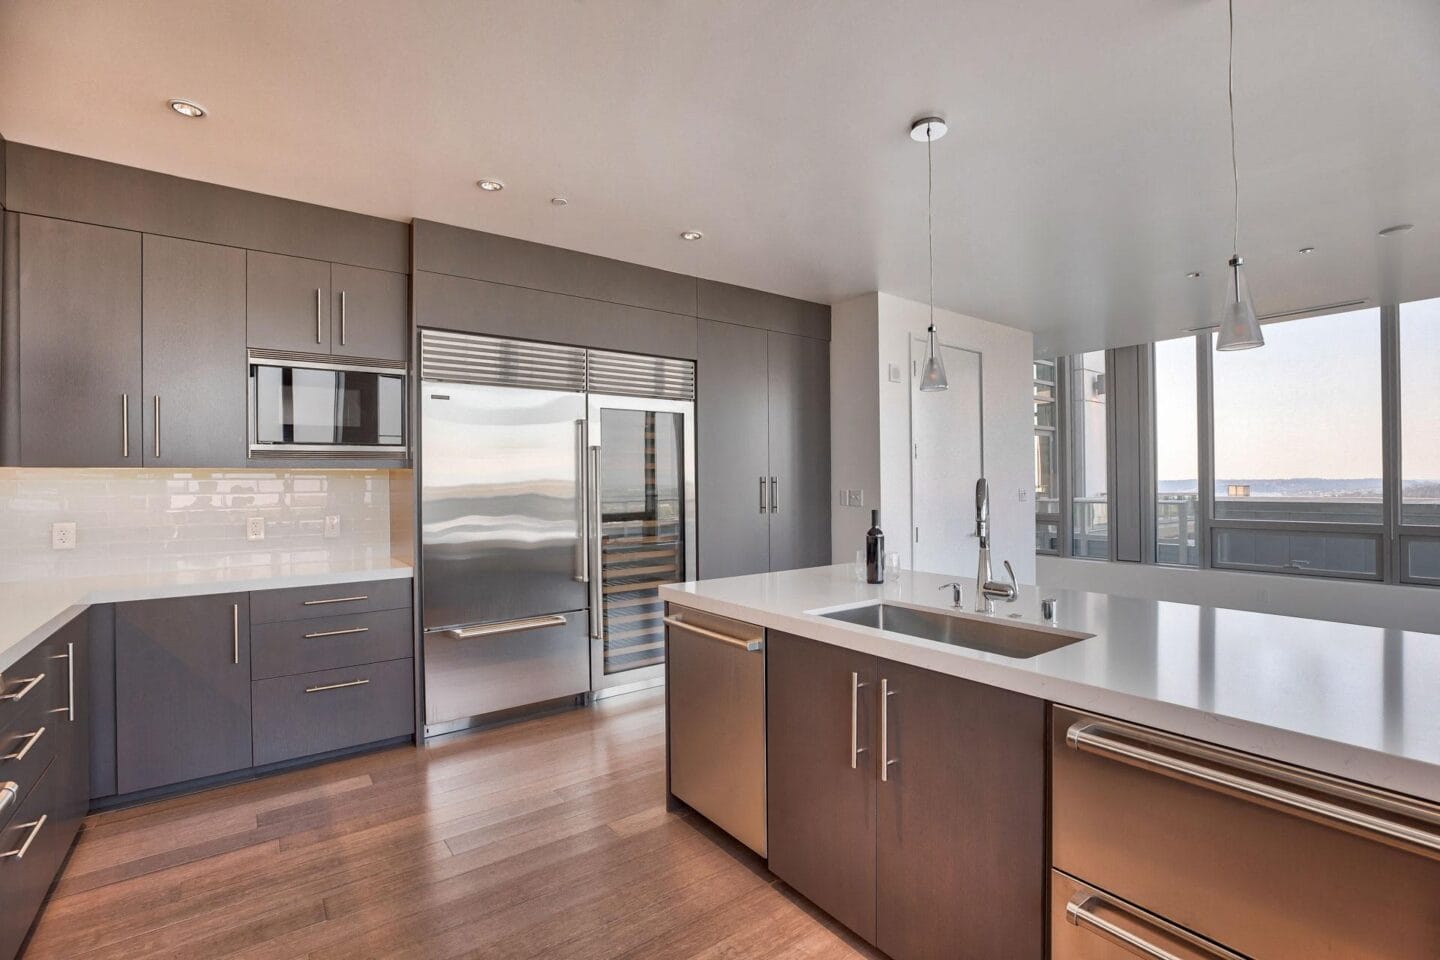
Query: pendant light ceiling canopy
1239, 327
927, 130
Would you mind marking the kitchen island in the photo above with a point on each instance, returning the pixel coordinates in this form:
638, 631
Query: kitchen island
1183, 776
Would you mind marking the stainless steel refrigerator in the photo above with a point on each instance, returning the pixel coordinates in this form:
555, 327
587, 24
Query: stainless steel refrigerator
557, 496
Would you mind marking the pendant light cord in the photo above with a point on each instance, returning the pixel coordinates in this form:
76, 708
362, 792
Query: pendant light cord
930, 219
1234, 164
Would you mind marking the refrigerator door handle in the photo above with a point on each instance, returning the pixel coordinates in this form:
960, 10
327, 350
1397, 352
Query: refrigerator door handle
509, 626
582, 468
597, 578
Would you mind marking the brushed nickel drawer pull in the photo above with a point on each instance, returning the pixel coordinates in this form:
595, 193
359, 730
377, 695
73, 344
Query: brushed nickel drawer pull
317, 314
855, 749
30, 741
313, 603
124, 424
748, 645
1080, 912
885, 694
235, 632
1203, 765
336, 686
509, 626
9, 790
336, 633
69, 657
29, 685
157, 424
34, 825
342, 318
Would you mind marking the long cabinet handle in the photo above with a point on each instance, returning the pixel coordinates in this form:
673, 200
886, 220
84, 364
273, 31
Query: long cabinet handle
1223, 771
764, 506
774, 495
1080, 912
336, 686
30, 740
508, 626
35, 826
313, 603
69, 657
750, 646
317, 315
855, 749
157, 425
342, 318
124, 424
235, 632
26, 687
885, 694
336, 633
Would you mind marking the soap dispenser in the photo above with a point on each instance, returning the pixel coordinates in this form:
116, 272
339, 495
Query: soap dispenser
874, 550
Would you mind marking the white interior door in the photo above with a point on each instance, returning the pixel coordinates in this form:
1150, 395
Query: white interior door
947, 457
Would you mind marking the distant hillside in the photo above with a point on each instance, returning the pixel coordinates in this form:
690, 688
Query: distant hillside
1308, 487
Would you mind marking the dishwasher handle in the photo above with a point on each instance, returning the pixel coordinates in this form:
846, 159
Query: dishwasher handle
750, 646
1081, 911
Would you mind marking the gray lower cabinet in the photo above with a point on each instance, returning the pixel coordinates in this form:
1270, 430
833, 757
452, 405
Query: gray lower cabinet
79, 370
287, 302
370, 313
311, 713
44, 774
182, 689
762, 449
194, 354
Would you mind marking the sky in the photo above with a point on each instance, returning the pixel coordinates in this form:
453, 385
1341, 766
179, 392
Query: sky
1307, 404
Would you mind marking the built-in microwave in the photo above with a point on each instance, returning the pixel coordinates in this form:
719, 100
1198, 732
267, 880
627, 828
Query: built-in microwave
314, 408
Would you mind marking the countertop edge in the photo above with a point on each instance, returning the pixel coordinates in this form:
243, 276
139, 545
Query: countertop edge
1403, 775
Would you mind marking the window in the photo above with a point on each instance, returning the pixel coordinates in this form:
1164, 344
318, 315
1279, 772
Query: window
1047, 488
1177, 449
1420, 415
1089, 468
1297, 423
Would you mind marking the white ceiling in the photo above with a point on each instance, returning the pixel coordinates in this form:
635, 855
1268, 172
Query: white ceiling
1087, 168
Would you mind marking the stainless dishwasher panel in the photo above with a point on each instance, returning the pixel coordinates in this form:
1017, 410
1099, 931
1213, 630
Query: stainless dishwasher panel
715, 707
1086, 924
479, 669
1273, 861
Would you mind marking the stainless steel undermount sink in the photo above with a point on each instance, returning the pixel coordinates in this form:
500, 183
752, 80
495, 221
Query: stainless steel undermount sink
976, 633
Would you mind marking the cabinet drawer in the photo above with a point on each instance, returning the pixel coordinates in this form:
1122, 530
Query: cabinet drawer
34, 687
26, 749
1086, 924
44, 837
1271, 860
304, 646
332, 709
305, 603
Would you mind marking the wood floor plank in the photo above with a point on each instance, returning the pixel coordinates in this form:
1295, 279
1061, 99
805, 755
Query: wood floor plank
546, 838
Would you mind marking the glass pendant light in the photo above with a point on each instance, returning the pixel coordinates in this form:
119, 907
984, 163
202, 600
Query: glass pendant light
1239, 327
932, 373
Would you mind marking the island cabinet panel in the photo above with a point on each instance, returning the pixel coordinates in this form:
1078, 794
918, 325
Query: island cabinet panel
182, 689
960, 841
79, 297
820, 775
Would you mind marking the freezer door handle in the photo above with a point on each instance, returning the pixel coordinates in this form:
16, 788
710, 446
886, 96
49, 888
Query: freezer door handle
583, 469
508, 626
597, 595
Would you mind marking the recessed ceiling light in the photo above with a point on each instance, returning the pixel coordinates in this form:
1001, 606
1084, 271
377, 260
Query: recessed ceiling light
558, 201
188, 108
1398, 228
490, 186
691, 235
1307, 249
1193, 274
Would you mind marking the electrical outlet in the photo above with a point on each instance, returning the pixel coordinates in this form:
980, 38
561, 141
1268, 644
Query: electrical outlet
255, 528
332, 527
62, 535
1024, 494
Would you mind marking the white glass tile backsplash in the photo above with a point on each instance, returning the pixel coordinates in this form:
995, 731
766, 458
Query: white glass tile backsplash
156, 521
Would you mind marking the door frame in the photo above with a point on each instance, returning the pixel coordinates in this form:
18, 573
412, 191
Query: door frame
915, 360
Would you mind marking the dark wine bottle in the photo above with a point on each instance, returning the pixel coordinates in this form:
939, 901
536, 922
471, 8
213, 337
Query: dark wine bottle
874, 550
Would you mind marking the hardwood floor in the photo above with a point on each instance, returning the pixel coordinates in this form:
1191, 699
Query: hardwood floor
547, 838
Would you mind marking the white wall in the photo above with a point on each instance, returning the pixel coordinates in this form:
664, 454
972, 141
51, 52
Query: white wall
871, 451
1378, 604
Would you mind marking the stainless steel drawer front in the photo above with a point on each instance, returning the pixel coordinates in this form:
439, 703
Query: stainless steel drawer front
1088, 924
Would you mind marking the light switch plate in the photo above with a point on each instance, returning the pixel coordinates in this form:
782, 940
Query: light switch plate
255, 528
894, 372
62, 535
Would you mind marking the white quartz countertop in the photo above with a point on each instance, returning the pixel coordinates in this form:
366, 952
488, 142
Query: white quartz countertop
30, 612
1354, 701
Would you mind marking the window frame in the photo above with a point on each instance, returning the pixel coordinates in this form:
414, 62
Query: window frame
1057, 456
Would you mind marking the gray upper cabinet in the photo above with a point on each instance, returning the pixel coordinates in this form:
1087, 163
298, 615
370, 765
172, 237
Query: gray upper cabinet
370, 313
182, 689
799, 388
194, 354
763, 450
731, 450
287, 303
79, 370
